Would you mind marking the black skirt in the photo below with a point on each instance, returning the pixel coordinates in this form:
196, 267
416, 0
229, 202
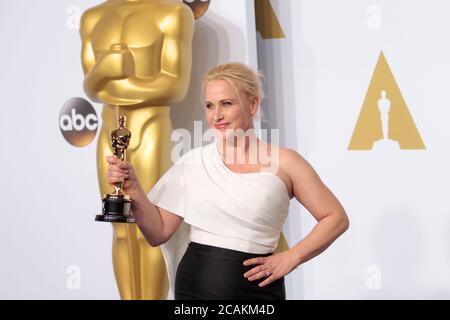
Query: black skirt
212, 273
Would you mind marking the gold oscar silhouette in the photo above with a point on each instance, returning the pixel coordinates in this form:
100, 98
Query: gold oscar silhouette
136, 57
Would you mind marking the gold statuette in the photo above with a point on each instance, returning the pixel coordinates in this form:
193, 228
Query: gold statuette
116, 206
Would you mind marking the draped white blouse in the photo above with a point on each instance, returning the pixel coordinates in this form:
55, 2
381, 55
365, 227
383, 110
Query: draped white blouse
239, 211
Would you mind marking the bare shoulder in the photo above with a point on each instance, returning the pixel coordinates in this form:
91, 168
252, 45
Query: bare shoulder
289, 165
290, 158
296, 172
295, 166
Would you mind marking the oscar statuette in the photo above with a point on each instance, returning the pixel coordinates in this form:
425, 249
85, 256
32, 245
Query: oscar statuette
117, 205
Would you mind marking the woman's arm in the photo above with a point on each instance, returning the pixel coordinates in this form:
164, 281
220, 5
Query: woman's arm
157, 224
314, 195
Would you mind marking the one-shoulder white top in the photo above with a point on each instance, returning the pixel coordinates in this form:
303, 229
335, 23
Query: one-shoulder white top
239, 211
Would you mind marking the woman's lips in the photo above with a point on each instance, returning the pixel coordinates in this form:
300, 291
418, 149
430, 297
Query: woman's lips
220, 125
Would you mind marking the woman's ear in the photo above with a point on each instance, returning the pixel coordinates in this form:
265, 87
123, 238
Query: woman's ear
254, 104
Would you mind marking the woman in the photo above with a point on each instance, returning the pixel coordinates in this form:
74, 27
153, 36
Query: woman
234, 200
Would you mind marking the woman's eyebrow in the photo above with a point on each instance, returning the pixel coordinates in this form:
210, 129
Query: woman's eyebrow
221, 101
227, 99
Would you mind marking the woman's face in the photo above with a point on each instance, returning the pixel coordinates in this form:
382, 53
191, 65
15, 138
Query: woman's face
226, 109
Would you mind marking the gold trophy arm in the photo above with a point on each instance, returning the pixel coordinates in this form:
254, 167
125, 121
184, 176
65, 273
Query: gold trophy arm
117, 63
93, 77
93, 81
170, 85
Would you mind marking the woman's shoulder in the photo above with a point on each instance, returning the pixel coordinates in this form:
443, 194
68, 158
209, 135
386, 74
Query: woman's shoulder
289, 155
295, 166
290, 160
284, 154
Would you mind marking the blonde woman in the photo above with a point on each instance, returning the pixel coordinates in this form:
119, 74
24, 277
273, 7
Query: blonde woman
233, 194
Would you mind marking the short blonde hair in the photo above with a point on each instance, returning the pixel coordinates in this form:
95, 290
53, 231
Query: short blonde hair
240, 75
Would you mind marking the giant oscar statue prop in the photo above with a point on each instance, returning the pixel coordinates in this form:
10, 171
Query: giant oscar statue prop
136, 57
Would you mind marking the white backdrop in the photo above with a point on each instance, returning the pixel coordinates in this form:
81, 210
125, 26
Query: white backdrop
398, 244
51, 248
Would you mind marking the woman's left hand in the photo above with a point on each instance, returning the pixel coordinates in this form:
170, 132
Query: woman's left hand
271, 268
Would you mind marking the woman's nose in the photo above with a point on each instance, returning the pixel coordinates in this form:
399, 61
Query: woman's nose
218, 114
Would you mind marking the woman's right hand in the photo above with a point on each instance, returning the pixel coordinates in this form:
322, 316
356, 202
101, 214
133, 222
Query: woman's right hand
119, 171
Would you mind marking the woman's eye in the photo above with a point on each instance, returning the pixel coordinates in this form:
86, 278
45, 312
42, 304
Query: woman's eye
208, 106
227, 103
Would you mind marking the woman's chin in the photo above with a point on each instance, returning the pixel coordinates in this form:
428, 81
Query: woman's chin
224, 133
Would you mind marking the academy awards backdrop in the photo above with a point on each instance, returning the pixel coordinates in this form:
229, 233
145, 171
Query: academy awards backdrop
358, 87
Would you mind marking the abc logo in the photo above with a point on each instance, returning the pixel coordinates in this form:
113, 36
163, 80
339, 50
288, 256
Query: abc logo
78, 122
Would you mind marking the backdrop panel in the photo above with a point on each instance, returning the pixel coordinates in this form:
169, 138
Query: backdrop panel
325, 80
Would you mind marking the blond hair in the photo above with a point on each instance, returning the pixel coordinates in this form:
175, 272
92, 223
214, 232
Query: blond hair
238, 75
